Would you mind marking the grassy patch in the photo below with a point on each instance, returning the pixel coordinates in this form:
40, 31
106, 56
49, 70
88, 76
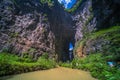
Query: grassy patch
12, 64
97, 65
111, 34
105, 32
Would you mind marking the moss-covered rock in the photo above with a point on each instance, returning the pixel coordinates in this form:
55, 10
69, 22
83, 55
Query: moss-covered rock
105, 41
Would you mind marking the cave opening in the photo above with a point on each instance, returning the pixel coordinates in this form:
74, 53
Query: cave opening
67, 54
63, 28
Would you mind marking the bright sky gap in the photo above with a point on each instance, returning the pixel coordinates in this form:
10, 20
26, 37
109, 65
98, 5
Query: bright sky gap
67, 3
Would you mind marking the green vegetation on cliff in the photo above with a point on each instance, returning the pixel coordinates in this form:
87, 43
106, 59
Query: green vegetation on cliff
49, 2
75, 7
97, 62
12, 64
97, 65
111, 35
113, 31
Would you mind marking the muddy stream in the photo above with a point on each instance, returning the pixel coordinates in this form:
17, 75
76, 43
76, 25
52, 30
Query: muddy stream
52, 74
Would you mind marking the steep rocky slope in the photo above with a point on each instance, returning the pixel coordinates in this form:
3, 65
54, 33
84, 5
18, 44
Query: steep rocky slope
24, 28
34, 27
92, 16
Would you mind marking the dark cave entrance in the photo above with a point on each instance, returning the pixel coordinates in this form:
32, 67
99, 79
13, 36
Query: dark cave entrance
62, 49
63, 28
67, 53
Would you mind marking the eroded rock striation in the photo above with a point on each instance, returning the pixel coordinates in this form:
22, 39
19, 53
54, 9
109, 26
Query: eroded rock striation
33, 27
29, 26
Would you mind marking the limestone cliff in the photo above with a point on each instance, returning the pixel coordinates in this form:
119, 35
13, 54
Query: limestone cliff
92, 16
24, 28
33, 27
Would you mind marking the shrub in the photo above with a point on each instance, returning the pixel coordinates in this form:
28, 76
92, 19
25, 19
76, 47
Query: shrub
46, 63
68, 64
49, 2
96, 64
12, 64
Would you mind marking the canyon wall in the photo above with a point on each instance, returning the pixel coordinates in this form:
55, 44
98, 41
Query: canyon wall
35, 28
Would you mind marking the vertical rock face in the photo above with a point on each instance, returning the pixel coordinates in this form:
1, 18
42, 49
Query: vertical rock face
24, 28
95, 15
62, 26
28, 26
84, 20
34, 28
